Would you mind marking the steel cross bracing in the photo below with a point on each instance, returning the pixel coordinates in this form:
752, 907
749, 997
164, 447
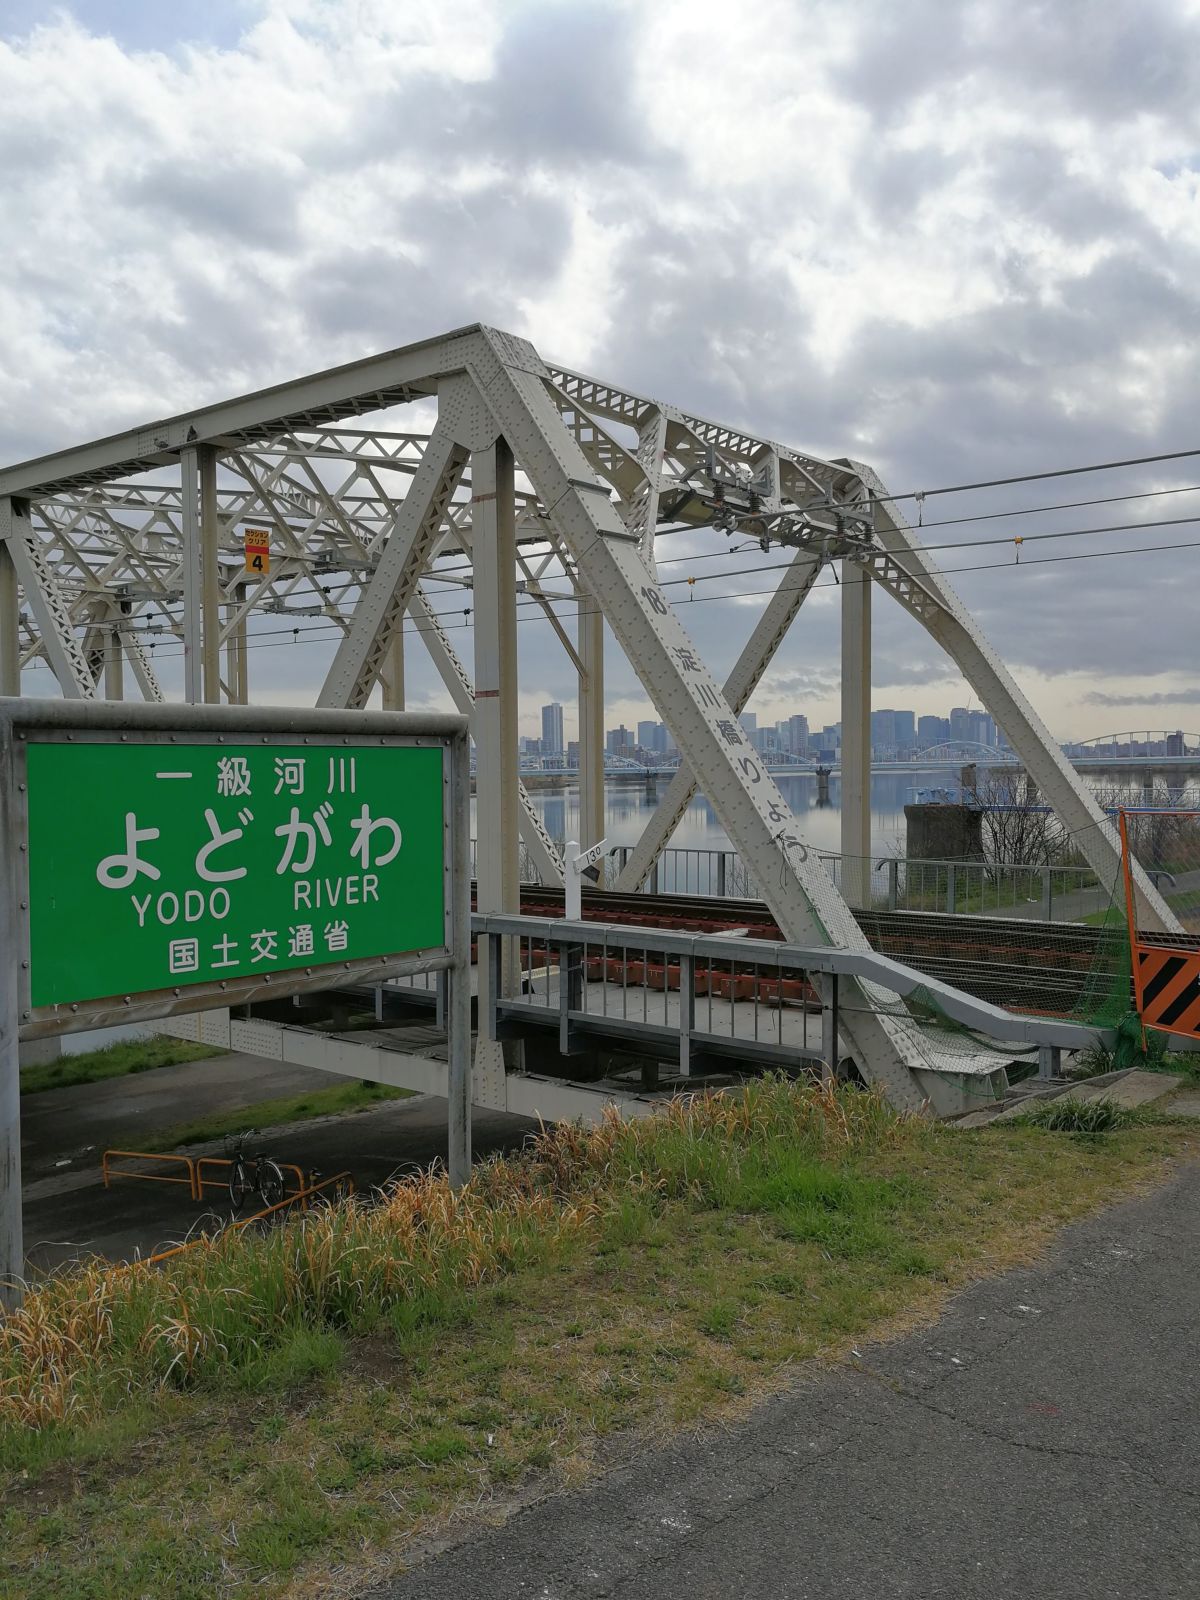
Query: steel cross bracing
367, 521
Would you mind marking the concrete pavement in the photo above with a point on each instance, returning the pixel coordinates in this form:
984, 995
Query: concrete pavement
1041, 1440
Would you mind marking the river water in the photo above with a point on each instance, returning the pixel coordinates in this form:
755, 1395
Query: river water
628, 806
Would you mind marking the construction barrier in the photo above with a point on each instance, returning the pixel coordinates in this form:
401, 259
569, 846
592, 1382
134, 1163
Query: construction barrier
1166, 969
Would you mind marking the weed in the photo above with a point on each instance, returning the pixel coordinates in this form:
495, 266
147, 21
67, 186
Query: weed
114, 1061
342, 1097
1067, 1114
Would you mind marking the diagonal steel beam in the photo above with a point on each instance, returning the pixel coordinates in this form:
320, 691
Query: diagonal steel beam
59, 644
756, 657
538, 843
386, 598
511, 379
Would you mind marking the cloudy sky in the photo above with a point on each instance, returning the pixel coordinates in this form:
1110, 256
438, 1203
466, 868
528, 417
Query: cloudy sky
959, 241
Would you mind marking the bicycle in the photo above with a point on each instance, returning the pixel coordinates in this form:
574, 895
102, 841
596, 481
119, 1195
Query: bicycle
254, 1173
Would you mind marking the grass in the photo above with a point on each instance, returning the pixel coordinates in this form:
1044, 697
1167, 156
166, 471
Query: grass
341, 1098
285, 1412
114, 1061
1067, 1114
1097, 1060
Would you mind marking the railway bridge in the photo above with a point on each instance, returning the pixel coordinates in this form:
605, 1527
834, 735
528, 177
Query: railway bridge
349, 500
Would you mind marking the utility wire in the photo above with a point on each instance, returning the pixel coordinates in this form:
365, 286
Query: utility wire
273, 640
1037, 477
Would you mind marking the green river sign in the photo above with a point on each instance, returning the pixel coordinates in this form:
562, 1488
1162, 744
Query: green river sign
158, 867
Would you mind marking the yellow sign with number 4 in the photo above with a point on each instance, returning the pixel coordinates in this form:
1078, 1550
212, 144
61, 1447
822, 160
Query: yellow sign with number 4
258, 551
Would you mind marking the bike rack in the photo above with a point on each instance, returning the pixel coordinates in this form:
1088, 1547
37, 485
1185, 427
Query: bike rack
110, 1172
304, 1195
224, 1161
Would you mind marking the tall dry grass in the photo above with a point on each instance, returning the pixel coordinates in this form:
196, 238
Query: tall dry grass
94, 1335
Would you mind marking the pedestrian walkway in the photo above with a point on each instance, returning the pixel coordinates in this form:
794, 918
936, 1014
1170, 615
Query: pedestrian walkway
1038, 1441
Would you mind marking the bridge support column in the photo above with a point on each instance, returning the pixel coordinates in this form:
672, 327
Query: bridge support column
591, 722
201, 577
497, 784
392, 675
114, 663
236, 660
10, 626
856, 734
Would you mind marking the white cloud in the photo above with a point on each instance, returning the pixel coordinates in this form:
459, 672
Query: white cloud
959, 241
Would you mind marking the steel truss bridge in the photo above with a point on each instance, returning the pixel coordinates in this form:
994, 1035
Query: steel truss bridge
518, 479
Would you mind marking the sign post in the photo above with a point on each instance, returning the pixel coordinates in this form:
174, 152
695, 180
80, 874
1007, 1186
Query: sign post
12, 1256
579, 866
160, 859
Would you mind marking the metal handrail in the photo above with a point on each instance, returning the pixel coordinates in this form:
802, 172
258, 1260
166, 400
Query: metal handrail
992, 1021
109, 1172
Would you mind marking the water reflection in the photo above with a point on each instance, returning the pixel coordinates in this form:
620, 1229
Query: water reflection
629, 806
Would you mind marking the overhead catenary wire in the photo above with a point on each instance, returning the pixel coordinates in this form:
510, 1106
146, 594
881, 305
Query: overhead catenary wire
447, 572
285, 636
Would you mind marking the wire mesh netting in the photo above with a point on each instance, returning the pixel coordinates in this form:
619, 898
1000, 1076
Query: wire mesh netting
1167, 845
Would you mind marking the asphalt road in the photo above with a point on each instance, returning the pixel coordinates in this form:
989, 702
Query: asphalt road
1040, 1441
68, 1213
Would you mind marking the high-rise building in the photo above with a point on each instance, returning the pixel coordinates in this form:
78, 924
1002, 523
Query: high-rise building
960, 722
749, 721
983, 729
652, 736
906, 729
552, 730
883, 730
798, 735
619, 741
931, 731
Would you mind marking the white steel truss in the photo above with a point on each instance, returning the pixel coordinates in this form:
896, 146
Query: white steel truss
110, 546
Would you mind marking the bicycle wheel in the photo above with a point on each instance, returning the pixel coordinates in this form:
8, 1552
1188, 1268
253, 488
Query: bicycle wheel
270, 1182
239, 1183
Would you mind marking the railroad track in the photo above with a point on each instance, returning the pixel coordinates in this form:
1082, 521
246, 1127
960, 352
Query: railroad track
1056, 969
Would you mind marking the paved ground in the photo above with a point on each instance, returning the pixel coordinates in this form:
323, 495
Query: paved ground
1040, 1441
69, 1213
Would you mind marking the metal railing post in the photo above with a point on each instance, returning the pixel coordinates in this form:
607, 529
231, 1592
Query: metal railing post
687, 1012
1047, 894
893, 891
564, 998
721, 874
951, 888
494, 964
827, 988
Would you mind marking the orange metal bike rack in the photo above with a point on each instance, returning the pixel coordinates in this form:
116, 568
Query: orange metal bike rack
110, 1172
304, 1195
224, 1161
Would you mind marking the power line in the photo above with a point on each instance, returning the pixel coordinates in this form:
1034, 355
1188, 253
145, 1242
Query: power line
271, 641
1037, 477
